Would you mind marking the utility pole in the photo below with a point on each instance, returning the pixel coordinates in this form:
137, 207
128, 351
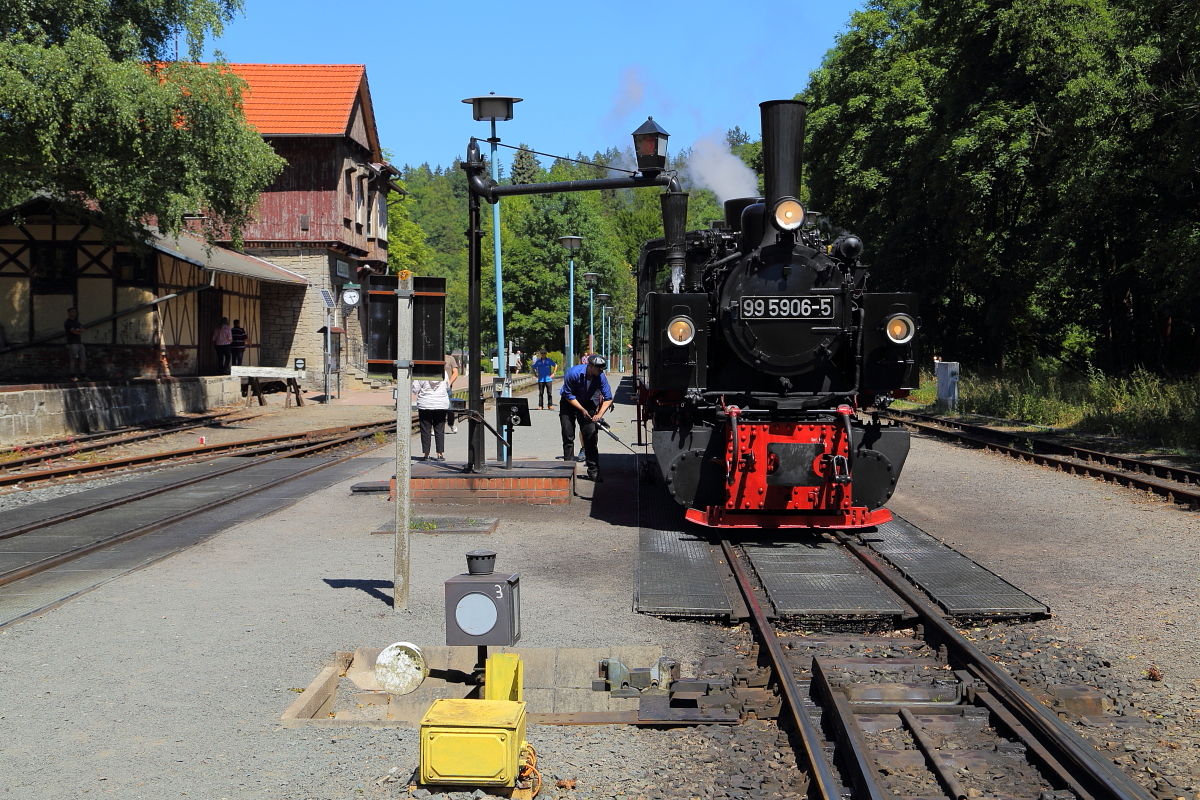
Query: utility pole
404, 349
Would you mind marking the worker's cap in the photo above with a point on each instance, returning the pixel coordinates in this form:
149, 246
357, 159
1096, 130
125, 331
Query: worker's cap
598, 361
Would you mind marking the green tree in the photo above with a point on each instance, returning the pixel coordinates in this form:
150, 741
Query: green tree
95, 117
525, 167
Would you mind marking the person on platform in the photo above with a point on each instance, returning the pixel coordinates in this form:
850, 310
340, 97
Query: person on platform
76, 358
545, 368
432, 405
584, 398
451, 374
237, 347
222, 340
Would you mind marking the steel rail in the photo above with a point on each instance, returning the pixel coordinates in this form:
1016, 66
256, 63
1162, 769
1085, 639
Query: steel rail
819, 766
164, 426
203, 451
89, 442
9, 533
1130, 463
79, 552
1101, 778
1178, 492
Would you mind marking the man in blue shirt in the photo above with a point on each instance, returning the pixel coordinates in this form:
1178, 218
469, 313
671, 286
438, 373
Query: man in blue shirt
584, 397
545, 369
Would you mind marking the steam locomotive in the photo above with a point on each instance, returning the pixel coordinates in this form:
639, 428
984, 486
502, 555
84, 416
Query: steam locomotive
759, 355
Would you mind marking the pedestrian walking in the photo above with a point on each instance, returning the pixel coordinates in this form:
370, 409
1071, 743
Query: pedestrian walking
545, 368
76, 358
584, 398
237, 345
432, 405
451, 371
222, 339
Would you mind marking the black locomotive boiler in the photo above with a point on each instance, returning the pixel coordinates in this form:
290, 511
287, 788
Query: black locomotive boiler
760, 357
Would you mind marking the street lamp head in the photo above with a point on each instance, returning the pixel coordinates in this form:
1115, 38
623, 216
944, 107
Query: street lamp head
603, 297
492, 107
590, 278
572, 243
650, 147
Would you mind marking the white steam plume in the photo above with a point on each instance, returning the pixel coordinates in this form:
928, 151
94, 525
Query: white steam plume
712, 166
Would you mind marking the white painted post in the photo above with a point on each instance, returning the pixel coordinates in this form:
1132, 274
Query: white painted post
947, 384
404, 339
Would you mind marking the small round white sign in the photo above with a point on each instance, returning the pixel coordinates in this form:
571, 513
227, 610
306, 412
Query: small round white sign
475, 614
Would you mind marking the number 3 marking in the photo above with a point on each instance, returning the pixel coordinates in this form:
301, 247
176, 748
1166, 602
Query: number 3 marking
499, 591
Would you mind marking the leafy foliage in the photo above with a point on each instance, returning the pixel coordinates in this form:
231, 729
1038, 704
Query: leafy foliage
94, 117
1026, 166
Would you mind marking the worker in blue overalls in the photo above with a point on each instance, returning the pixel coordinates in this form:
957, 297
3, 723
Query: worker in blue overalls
584, 398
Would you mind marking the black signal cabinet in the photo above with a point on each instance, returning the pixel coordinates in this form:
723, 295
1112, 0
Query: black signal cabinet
666, 365
429, 326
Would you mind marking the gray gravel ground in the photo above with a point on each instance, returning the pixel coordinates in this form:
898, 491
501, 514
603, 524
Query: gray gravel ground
169, 682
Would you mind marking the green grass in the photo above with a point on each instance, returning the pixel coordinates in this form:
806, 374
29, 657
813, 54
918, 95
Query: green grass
1160, 411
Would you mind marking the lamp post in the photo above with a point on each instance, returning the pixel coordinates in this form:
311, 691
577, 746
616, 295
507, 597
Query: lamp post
603, 298
608, 334
492, 108
621, 344
572, 243
590, 279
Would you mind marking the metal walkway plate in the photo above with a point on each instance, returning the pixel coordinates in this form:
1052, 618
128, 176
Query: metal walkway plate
817, 577
676, 574
955, 582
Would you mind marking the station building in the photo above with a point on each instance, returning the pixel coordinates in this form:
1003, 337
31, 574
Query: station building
149, 314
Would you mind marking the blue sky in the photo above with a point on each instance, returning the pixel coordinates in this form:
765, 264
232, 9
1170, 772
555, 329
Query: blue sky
589, 74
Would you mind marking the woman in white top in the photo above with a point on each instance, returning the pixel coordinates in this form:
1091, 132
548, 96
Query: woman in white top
433, 403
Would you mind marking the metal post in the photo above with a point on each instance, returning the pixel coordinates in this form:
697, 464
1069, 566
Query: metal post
570, 359
621, 350
604, 332
404, 337
496, 258
328, 353
476, 460
591, 319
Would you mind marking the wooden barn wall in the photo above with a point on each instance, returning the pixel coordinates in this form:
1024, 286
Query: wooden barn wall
307, 185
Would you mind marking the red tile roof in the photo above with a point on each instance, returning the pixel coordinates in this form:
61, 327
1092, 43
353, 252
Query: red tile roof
300, 99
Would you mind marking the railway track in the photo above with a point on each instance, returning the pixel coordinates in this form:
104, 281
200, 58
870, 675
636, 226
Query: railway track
49, 450
1176, 484
93, 541
924, 714
258, 446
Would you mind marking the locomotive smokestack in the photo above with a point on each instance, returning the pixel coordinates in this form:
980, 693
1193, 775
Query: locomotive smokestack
674, 216
782, 148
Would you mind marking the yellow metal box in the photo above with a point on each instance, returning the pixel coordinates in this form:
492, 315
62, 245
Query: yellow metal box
472, 742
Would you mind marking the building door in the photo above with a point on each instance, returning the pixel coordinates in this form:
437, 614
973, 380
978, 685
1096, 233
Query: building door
208, 312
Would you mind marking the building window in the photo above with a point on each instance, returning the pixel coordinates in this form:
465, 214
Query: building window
136, 269
54, 267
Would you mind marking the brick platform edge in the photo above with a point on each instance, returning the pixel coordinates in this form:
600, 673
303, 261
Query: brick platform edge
545, 483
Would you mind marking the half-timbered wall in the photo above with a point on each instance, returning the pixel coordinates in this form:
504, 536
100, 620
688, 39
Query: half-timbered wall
48, 266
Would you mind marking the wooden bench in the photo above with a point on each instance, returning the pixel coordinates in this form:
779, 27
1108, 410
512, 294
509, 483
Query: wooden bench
291, 377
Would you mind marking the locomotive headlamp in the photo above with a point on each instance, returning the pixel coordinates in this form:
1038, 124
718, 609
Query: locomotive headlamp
650, 147
681, 330
788, 214
900, 329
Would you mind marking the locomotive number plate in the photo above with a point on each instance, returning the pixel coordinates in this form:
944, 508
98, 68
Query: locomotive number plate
786, 308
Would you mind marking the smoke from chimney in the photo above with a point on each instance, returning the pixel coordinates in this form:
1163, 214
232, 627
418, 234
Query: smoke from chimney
713, 167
